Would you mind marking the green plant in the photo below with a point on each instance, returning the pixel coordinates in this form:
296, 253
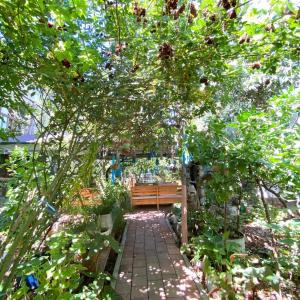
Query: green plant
57, 270
81, 91
252, 274
212, 246
95, 241
102, 209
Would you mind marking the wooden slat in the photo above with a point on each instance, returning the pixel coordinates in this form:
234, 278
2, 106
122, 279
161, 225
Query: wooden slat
144, 188
156, 194
144, 202
143, 197
144, 194
170, 196
169, 200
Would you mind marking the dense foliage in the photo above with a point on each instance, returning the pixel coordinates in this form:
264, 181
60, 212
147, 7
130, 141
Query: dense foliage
93, 74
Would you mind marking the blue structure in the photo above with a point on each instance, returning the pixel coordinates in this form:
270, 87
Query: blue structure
32, 282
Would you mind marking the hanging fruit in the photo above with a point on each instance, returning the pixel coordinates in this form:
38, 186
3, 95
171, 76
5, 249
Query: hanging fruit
165, 51
181, 9
134, 68
171, 5
213, 17
209, 40
244, 38
193, 10
66, 63
270, 28
119, 48
227, 4
139, 12
204, 80
256, 65
232, 14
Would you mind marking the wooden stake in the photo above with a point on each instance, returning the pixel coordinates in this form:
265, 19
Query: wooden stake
184, 228
157, 203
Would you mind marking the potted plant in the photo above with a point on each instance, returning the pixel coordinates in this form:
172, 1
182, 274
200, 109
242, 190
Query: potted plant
103, 213
233, 236
96, 240
236, 239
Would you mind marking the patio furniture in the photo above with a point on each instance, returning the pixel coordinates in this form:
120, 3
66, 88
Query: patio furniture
162, 193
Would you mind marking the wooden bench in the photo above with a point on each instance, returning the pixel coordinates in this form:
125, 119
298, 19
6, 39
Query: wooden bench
144, 195
155, 194
169, 193
87, 197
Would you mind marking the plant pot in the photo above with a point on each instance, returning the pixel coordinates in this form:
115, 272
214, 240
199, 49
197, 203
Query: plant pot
93, 262
105, 231
232, 210
291, 203
105, 221
178, 227
239, 242
173, 219
210, 284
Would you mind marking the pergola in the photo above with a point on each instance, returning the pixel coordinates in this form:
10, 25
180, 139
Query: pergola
142, 154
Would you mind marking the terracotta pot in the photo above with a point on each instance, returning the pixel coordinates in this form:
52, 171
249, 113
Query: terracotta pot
105, 221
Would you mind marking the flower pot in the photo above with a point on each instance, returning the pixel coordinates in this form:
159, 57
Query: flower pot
93, 262
173, 219
105, 221
292, 203
239, 242
232, 210
178, 227
105, 231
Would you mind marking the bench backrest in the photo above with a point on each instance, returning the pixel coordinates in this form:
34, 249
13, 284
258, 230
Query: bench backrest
167, 190
153, 190
144, 190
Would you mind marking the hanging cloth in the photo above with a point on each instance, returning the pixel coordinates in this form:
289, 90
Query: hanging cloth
113, 175
186, 157
119, 169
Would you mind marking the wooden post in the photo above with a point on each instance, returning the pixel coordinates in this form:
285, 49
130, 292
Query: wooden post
157, 203
184, 228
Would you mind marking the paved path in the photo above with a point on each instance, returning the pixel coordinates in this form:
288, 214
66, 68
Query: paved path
152, 266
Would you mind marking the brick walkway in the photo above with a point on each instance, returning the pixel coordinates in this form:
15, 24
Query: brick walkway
152, 266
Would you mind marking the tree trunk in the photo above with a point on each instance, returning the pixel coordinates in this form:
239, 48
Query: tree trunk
282, 201
265, 204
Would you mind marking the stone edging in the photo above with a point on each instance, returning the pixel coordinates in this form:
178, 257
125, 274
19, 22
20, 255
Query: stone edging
119, 258
203, 293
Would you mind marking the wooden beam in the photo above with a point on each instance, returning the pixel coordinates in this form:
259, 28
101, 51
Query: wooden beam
184, 227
